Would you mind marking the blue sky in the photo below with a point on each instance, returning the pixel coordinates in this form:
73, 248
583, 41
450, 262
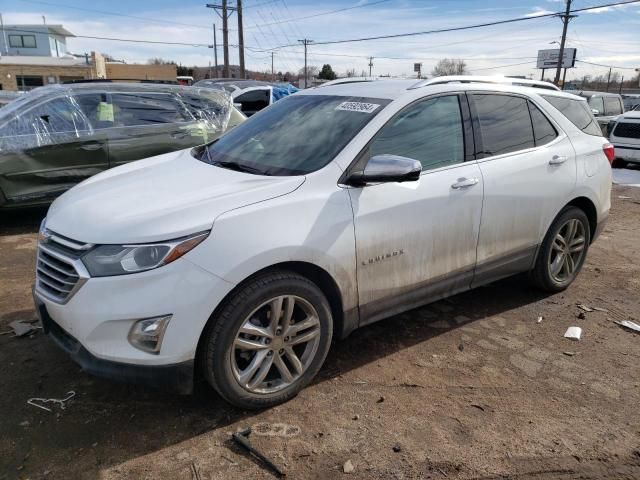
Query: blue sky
610, 36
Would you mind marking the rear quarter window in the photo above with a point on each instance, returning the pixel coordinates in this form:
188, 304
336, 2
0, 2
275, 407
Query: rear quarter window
577, 112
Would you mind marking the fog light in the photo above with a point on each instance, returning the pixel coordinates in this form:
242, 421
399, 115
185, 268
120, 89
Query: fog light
147, 334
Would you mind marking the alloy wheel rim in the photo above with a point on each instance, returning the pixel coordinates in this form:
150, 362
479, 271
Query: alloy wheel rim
275, 344
567, 250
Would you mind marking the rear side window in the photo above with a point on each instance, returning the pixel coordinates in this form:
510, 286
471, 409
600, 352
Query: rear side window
577, 112
597, 103
147, 109
505, 124
543, 131
612, 106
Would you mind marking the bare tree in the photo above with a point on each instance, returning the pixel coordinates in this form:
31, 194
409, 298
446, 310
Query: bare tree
350, 73
160, 61
313, 71
449, 66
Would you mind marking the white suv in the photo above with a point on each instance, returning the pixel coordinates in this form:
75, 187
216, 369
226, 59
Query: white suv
624, 134
331, 209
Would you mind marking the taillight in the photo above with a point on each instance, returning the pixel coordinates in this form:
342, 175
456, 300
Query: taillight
609, 152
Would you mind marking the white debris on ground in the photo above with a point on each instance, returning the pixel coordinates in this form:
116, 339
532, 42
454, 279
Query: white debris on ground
625, 176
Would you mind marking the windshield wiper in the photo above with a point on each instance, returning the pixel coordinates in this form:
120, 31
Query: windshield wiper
238, 167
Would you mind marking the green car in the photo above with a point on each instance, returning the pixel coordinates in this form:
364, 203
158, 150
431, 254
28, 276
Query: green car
56, 136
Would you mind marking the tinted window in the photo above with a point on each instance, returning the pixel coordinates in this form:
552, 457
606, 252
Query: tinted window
597, 103
97, 108
505, 123
147, 109
577, 112
543, 131
430, 131
296, 135
612, 106
254, 100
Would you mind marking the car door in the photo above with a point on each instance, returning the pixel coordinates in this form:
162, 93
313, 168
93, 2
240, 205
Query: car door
529, 171
417, 241
47, 149
147, 124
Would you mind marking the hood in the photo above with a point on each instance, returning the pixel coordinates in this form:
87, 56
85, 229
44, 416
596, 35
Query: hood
157, 199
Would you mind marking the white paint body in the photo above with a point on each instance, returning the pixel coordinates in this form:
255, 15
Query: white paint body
627, 148
260, 221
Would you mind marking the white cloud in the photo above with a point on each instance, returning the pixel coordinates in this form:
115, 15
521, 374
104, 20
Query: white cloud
482, 48
538, 11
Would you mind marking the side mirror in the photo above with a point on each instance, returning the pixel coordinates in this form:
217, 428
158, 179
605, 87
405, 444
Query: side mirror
385, 169
237, 105
595, 111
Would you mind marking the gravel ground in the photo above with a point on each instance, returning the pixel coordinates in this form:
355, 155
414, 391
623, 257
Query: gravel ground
472, 387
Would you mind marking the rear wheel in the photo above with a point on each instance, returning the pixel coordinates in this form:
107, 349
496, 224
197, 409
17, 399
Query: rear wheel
563, 251
268, 341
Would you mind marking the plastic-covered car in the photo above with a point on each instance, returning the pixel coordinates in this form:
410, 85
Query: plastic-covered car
56, 136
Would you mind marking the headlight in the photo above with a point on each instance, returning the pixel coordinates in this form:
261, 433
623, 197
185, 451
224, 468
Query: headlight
108, 260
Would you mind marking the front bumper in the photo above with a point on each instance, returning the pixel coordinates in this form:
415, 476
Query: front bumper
177, 377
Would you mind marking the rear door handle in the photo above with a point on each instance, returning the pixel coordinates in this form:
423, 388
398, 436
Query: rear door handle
91, 146
465, 183
558, 160
179, 135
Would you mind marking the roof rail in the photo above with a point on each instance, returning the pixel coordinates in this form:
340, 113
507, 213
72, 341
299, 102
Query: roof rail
520, 82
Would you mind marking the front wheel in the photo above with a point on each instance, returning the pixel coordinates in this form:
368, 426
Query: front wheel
563, 251
268, 341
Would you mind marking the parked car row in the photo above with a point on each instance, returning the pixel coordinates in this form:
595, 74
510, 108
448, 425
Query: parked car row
331, 209
250, 96
56, 136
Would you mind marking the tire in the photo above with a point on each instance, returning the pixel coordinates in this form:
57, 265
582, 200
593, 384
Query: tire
545, 274
229, 355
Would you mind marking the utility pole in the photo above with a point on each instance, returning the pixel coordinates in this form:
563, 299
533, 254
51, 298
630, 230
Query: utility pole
370, 65
565, 20
240, 39
273, 77
306, 42
215, 51
621, 83
225, 13
609, 79
225, 39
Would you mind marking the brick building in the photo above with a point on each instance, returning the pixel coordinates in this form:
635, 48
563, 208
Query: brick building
35, 55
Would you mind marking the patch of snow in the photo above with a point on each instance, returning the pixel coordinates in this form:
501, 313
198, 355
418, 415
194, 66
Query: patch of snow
625, 176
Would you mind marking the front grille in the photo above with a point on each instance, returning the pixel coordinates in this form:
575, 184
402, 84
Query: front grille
57, 274
627, 130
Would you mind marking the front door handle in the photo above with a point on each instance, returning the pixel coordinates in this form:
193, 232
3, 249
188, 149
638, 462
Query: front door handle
558, 160
179, 135
465, 183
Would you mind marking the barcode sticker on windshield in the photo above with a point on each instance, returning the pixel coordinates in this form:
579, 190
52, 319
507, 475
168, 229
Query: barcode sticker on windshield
358, 107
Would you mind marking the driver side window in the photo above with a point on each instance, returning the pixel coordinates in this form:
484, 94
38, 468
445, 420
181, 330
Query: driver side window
429, 131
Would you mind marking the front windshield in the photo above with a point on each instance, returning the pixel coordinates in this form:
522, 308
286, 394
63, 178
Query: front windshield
294, 136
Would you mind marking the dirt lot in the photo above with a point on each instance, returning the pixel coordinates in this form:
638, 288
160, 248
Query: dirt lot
473, 387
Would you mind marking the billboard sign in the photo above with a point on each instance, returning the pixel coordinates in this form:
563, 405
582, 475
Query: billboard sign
549, 58
417, 67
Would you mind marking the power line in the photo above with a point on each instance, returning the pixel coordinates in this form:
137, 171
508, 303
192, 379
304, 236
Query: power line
607, 66
115, 39
116, 14
469, 27
330, 12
